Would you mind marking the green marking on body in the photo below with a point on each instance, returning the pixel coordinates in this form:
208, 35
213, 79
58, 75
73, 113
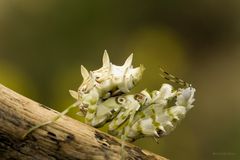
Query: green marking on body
154, 122
142, 115
139, 127
91, 110
170, 114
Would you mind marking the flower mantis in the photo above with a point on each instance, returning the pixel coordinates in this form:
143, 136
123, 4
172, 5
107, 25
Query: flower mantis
104, 96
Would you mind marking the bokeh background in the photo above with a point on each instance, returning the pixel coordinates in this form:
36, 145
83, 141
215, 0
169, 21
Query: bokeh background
43, 43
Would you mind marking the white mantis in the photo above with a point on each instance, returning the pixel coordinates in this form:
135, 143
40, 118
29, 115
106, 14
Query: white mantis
104, 97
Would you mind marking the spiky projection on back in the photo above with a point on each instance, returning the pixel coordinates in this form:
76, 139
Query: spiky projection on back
104, 97
110, 80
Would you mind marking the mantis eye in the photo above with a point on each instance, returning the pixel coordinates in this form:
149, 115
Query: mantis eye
97, 77
120, 100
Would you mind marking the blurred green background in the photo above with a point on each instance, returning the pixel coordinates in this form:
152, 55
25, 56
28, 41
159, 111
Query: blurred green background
43, 43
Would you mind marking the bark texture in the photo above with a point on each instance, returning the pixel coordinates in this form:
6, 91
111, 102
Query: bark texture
65, 139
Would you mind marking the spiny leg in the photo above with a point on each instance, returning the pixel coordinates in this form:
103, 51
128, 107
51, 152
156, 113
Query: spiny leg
173, 78
122, 147
124, 131
123, 140
124, 136
51, 121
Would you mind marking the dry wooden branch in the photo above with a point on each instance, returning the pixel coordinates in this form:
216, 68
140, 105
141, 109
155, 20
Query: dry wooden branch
66, 139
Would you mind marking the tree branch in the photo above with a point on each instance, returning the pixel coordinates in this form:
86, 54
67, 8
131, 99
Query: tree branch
66, 139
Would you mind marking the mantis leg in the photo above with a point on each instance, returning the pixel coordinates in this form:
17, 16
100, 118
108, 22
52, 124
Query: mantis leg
123, 138
51, 121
